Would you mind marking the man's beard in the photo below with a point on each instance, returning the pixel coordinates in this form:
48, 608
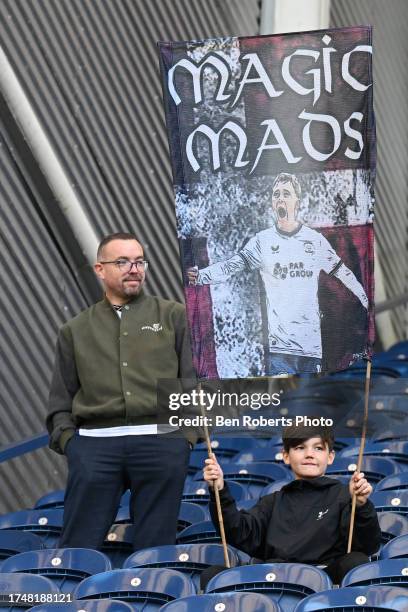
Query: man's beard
130, 290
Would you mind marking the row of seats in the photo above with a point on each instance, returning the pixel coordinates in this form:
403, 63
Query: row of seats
70, 565
372, 598
286, 584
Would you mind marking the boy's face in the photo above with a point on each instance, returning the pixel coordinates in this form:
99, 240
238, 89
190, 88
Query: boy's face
309, 459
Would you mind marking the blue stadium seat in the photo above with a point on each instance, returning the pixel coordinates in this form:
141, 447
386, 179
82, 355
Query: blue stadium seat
286, 583
253, 455
24, 590
374, 468
66, 567
197, 492
390, 501
274, 486
125, 499
190, 514
225, 447
47, 523
399, 350
358, 371
395, 482
376, 598
397, 548
149, 588
204, 532
118, 544
55, 499
397, 365
88, 605
227, 602
191, 559
255, 476
392, 525
13, 542
122, 515
387, 571
396, 450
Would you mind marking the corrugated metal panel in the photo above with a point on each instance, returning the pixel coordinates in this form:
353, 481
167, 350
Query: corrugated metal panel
90, 70
38, 293
390, 21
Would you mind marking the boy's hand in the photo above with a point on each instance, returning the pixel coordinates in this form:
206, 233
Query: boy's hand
213, 473
361, 487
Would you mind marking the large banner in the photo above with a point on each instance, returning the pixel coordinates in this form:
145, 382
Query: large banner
272, 142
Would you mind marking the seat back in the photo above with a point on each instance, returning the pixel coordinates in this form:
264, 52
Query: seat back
25, 590
392, 525
387, 571
66, 567
191, 559
397, 548
203, 532
54, 499
395, 482
46, 523
374, 468
89, 605
286, 583
151, 586
190, 514
118, 544
197, 492
376, 598
256, 476
227, 602
13, 542
391, 501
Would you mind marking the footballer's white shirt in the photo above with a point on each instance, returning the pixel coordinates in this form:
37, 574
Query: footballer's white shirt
290, 264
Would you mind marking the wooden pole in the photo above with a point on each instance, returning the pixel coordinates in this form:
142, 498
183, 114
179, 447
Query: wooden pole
361, 451
216, 491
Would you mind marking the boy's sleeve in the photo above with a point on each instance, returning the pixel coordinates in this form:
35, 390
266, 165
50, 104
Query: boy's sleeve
244, 529
367, 532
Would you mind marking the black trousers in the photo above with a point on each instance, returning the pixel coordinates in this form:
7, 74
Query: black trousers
153, 467
338, 569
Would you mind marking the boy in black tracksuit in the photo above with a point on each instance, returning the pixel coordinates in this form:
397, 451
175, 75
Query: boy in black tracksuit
307, 521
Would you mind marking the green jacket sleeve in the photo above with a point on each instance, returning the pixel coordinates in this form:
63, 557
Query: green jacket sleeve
64, 385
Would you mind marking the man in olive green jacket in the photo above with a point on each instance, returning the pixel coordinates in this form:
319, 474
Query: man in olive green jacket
103, 408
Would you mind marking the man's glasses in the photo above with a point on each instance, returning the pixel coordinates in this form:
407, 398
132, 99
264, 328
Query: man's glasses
126, 266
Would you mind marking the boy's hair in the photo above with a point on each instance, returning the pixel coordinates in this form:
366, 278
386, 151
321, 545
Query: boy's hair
296, 434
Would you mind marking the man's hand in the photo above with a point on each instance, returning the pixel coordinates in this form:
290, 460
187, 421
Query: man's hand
213, 473
361, 487
192, 275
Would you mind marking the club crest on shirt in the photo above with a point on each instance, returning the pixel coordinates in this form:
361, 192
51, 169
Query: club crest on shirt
155, 327
275, 249
321, 514
309, 247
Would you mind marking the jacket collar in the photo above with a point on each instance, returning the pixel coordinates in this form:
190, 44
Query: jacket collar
133, 301
322, 482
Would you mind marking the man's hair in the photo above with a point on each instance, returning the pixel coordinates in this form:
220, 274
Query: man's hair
297, 434
284, 177
117, 236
